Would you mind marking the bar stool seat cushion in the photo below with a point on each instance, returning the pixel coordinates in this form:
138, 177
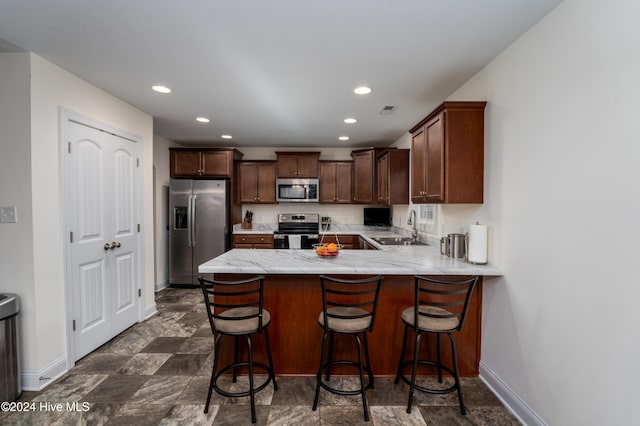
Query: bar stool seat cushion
446, 322
346, 324
246, 326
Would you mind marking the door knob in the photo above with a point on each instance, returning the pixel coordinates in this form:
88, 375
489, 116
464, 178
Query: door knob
107, 246
114, 245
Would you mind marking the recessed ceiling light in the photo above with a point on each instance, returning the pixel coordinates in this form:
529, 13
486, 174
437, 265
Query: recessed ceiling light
202, 119
362, 90
344, 138
226, 136
350, 120
161, 89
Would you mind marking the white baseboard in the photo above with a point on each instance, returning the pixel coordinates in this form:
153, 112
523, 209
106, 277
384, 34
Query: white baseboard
160, 286
519, 408
150, 311
38, 380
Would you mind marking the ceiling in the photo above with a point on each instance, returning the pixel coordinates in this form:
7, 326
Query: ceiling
277, 73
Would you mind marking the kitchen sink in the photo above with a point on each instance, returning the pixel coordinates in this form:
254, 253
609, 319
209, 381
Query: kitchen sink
397, 241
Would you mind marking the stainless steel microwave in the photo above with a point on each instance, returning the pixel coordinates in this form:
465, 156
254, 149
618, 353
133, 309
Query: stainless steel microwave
297, 190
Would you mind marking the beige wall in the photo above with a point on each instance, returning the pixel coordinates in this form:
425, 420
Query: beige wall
34, 153
16, 240
161, 205
562, 199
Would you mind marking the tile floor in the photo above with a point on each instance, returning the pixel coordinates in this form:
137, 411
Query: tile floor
157, 373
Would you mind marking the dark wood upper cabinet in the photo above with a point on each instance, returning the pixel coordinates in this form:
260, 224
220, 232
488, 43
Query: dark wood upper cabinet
363, 176
335, 182
392, 173
366, 180
298, 164
447, 155
256, 182
202, 163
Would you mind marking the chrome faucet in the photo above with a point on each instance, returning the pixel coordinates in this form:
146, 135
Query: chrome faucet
412, 221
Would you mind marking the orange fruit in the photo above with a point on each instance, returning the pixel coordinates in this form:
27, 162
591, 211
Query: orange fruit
320, 250
331, 247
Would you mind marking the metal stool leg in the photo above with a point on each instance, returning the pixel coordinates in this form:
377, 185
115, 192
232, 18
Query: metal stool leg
216, 353
404, 345
319, 375
271, 370
414, 368
368, 361
439, 359
454, 356
330, 355
363, 391
251, 389
235, 358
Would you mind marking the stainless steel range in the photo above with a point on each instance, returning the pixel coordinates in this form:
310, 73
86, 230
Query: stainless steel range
297, 231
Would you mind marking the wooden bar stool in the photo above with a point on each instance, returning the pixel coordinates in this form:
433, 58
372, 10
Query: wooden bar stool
235, 309
440, 307
348, 307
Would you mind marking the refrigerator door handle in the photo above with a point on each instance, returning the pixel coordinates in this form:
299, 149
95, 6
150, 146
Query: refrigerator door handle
189, 221
194, 202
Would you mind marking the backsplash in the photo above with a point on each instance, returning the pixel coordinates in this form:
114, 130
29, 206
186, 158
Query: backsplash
340, 214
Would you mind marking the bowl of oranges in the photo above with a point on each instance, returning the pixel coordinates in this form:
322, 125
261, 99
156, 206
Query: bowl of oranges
327, 249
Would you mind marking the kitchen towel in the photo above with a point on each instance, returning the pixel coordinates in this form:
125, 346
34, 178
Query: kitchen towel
294, 241
477, 249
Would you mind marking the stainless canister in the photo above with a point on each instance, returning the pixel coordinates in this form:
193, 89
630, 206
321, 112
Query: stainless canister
456, 246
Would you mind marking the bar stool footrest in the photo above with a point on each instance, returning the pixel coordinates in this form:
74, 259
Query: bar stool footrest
450, 389
324, 385
243, 393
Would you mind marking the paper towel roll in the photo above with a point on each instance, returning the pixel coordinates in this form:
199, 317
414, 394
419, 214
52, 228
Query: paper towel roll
477, 250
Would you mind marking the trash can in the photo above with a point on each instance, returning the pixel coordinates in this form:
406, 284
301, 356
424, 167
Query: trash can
10, 388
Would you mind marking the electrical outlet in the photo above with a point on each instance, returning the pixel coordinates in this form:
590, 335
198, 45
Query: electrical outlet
8, 215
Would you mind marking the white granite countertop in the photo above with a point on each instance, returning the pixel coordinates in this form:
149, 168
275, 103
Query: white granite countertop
389, 260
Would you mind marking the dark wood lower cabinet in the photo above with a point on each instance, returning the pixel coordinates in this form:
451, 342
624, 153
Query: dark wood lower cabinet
295, 301
348, 242
249, 241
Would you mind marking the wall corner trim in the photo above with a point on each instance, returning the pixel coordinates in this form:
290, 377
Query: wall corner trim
518, 407
149, 312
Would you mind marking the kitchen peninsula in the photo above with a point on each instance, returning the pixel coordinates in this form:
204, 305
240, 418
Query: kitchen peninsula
293, 297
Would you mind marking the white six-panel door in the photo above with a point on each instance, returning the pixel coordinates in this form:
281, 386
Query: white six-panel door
103, 259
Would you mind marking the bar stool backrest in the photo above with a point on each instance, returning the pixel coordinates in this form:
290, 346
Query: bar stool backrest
351, 296
443, 299
222, 296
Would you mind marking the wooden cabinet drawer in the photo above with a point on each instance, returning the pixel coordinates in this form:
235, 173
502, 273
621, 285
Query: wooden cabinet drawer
253, 241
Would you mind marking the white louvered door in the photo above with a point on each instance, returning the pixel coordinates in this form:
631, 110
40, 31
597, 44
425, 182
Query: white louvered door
104, 258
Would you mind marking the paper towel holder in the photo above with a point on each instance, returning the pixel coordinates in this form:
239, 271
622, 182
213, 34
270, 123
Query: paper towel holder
466, 251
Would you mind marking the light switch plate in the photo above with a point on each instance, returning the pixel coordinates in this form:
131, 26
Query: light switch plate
8, 215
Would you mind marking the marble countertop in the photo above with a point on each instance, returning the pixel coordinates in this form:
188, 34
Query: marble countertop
388, 260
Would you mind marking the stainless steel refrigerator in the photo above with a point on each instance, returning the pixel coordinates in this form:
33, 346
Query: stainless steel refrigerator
199, 226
